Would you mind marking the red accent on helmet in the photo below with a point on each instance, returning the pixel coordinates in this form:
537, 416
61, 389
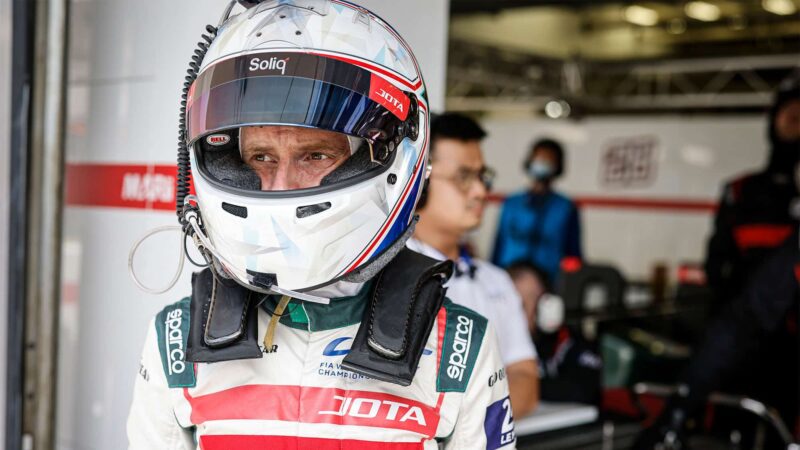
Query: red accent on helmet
388, 96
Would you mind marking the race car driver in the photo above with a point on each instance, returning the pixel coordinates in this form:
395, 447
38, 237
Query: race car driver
754, 213
304, 129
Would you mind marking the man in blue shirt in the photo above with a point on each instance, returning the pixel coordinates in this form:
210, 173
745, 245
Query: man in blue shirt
540, 225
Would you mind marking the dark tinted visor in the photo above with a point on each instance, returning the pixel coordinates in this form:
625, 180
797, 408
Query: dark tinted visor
305, 90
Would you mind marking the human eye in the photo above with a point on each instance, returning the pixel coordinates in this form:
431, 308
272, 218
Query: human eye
464, 176
262, 158
318, 156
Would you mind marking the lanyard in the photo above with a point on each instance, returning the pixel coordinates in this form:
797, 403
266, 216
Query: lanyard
465, 259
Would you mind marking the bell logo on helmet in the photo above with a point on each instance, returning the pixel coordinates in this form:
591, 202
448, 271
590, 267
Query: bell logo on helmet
218, 139
269, 64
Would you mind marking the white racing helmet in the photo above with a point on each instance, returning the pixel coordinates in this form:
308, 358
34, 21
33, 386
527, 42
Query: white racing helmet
322, 64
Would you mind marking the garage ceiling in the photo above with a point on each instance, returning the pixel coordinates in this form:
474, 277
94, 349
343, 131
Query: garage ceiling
575, 49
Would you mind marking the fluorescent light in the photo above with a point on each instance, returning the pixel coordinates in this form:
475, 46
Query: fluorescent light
556, 109
704, 11
779, 7
639, 15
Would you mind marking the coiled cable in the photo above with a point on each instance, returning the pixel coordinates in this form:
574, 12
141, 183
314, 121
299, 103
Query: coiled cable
184, 178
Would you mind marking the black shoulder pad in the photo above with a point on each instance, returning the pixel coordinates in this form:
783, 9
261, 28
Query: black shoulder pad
405, 299
224, 322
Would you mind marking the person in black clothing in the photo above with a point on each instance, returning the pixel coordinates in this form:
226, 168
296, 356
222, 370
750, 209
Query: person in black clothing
756, 336
754, 213
753, 347
569, 368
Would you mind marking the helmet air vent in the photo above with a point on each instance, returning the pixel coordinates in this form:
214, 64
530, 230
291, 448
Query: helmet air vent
310, 210
238, 211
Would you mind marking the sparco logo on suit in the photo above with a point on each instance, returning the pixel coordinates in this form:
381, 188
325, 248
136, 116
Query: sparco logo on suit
174, 337
461, 347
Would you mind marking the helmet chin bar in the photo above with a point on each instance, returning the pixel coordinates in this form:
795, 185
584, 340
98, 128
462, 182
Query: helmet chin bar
192, 217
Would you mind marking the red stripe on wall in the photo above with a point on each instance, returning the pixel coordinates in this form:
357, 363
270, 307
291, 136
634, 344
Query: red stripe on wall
121, 186
657, 204
241, 442
320, 405
647, 203
153, 187
761, 235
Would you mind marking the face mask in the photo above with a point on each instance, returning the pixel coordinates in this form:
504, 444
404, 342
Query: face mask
550, 313
540, 170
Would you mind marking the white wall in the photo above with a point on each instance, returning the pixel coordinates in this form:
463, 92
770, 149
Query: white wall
693, 155
127, 65
5, 155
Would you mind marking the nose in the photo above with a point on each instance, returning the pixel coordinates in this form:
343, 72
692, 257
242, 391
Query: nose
283, 178
479, 190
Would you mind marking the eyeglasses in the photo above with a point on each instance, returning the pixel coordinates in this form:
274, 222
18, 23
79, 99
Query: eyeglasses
464, 178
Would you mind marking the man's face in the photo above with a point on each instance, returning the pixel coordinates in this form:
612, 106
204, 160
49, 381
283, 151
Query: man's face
456, 196
530, 289
787, 122
287, 158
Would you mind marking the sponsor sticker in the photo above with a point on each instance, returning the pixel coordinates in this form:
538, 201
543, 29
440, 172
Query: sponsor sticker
269, 351
218, 139
143, 372
371, 408
462, 345
339, 347
273, 64
335, 370
172, 328
464, 332
334, 347
498, 375
374, 409
388, 96
499, 425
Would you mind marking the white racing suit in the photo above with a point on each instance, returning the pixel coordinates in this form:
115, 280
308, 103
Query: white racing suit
297, 396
